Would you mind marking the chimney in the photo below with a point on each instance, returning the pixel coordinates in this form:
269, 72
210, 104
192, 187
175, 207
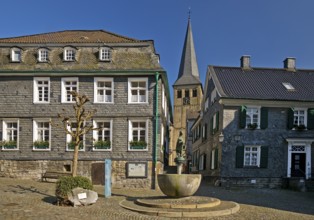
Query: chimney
289, 63
245, 62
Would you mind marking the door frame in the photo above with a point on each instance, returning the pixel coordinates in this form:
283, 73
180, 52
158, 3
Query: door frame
299, 145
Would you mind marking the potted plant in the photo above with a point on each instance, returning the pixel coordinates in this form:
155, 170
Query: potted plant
138, 144
252, 126
41, 144
299, 127
102, 144
71, 145
9, 144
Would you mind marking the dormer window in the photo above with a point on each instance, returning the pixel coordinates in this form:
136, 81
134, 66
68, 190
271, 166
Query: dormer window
43, 55
69, 54
16, 55
104, 54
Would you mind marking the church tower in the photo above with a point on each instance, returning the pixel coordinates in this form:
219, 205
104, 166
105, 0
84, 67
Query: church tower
188, 92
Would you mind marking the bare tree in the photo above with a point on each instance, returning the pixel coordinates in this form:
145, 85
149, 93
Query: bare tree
75, 124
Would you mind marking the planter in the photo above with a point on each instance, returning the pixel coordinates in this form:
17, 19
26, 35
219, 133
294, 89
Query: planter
179, 185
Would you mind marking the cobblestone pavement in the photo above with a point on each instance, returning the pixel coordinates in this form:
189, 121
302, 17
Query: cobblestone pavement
27, 199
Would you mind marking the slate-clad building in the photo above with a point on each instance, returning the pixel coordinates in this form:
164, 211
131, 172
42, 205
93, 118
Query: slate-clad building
125, 83
256, 126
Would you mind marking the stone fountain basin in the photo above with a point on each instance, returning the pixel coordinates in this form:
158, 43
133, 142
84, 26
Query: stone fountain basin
179, 185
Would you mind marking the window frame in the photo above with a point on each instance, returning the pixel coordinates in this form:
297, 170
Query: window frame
40, 57
251, 115
142, 79
13, 54
4, 133
35, 133
258, 157
95, 134
36, 90
104, 54
179, 94
96, 88
69, 54
298, 115
64, 90
130, 131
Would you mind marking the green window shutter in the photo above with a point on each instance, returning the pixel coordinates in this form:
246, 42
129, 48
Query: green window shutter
205, 131
242, 119
264, 118
217, 121
290, 118
264, 157
239, 156
216, 159
204, 164
310, 118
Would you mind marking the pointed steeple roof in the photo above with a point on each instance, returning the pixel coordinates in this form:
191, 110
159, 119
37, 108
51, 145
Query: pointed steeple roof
188, 72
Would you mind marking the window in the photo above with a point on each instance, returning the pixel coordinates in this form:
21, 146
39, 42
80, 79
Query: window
187, 93
194, 92
288, 86
43, 55
163, 96
103, 90
215, 123
16, 55
138, 90
252, 155
162, 138
214, 159
41, 90
179, 94
41, 135
138, 134
213, 96
104, 54
67, 86
69, 54
103, 137
299, 117
252, 117
70, 142
206, 104
10, 135
202, 162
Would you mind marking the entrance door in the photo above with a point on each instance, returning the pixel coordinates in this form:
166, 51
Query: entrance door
98, 173
298, 165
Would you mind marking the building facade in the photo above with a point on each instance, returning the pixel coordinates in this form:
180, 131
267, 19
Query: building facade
256, 125
125, 84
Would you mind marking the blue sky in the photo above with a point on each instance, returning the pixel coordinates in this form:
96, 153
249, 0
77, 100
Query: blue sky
223, 30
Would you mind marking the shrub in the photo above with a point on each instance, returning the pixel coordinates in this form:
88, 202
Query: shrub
66, 183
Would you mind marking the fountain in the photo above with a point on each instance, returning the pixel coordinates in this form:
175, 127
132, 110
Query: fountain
179, 200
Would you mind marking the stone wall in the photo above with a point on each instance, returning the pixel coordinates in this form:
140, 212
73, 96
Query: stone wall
36, 168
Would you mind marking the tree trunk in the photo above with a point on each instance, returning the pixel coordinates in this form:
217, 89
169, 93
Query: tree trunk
75, 158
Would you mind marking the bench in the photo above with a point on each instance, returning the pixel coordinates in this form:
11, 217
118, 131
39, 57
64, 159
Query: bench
54, 175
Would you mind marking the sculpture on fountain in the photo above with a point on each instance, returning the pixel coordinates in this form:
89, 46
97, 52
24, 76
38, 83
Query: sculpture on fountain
179, 185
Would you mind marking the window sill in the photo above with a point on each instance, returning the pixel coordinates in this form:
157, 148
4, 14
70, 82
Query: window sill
41, 102
38, 149
251, 167
97, 150
138, 103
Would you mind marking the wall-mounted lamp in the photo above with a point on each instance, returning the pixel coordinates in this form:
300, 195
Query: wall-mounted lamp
221, 137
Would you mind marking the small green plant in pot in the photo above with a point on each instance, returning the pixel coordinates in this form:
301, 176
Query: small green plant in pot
102, 144
9, 144
138, 144
41, 144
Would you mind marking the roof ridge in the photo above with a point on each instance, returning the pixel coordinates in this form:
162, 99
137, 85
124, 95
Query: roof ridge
63, 31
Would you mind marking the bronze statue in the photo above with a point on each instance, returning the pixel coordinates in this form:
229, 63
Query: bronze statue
180, 145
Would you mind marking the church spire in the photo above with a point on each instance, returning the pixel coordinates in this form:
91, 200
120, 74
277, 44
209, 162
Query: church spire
188, 72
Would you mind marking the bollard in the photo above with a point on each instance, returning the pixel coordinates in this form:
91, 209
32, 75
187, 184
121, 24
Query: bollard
107, 178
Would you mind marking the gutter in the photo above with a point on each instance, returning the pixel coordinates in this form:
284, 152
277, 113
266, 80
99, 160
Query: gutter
156, 130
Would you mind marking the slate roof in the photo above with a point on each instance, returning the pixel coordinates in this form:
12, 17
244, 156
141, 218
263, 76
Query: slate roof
72, 36
188, 72
263, 83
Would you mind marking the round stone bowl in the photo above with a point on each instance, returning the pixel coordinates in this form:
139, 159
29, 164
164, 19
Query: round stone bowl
179, 185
